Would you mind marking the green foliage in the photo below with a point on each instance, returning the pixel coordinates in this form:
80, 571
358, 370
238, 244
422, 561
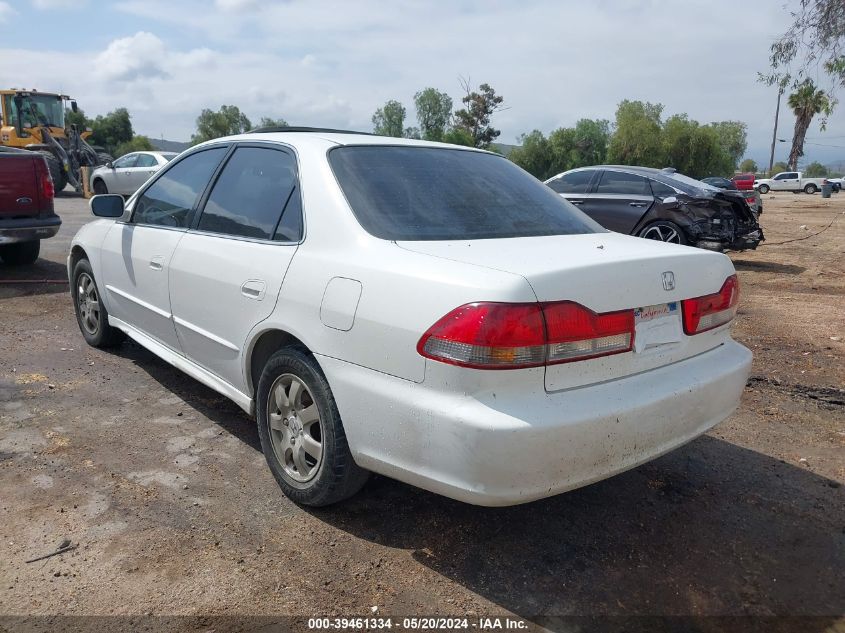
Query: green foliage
226, 121
268, 122
434, 109
389, 120
591, 138
533, 155
806, 102
693, 149
135, 144
733, 139
111, 130
474, 117
748, 166
816, 170
458, 136
77, 118
778, 167
636, 140
565, 148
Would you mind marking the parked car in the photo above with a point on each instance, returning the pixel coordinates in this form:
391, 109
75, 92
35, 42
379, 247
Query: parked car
744, 182
793, 181
128, 172
26, 205
660, 204
836, 183
428, 312
752, 196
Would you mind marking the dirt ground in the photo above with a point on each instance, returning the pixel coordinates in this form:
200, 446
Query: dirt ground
162, 486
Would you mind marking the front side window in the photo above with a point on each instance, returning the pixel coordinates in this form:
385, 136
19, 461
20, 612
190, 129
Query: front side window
617, 182
249, 196
125, 161
145, 160
171, 198
423, 193
575, 182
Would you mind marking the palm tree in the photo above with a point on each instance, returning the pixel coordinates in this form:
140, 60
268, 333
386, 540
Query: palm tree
806, 102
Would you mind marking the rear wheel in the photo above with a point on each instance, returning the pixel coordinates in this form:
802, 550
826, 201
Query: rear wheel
57, 171
811, 188
301, 432
763, 189
100, 187
20, 253
664, 231
91, 313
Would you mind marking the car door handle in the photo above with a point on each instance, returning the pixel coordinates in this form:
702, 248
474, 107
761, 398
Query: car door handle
157, 262
254, 289
577, 201
636, 204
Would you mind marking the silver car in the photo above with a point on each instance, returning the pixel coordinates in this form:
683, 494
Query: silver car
127, 173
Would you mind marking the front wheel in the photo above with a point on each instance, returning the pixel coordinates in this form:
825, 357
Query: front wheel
301, 432
811, 188
20, 253
764, 189
100, 187
91, 313
664, 231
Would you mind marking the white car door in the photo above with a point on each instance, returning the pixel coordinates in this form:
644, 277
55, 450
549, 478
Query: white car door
227, 270
136, 254
117, 178
144, 169
787, 181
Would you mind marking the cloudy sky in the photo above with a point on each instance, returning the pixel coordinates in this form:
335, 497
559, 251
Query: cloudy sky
332, 64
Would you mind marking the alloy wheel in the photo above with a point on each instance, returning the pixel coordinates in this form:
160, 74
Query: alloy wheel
88, 303
662, 233
295, 428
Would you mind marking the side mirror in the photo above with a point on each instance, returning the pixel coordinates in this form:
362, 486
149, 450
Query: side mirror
73, 106
670, 200
110, 165
108, 205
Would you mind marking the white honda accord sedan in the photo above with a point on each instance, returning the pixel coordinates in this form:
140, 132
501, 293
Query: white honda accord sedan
424, 311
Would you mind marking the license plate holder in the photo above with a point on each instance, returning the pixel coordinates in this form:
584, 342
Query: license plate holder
657, 325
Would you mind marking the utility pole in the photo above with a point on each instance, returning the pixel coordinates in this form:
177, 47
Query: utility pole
775, 133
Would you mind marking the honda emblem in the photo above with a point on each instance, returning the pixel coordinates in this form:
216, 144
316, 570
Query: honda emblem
668, 280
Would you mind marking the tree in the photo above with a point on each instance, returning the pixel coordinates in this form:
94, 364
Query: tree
135, 144
636, 140
590, 140
434, 108
474, 117
389, 120
806, 102
226, 121
816, 170
816, 36
268, 122
693, 149
533, 155
112, 129
77, 118
458, 136
779, 167
733, 138
748, 166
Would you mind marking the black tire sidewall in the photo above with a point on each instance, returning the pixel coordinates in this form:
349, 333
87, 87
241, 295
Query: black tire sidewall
331, 483
20, 253
101, 184
810, 189
764, 189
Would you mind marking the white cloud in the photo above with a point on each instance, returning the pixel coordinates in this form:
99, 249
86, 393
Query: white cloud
45, 5
6, 11
141, 56
237, 5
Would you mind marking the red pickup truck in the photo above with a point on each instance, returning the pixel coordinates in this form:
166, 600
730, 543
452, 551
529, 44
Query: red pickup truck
744, 182
26, 205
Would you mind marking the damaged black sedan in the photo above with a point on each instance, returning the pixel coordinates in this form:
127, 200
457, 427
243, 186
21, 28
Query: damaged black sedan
661, 204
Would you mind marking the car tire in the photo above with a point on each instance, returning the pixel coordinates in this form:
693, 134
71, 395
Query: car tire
297, 417
91, 314
20, 253
663, 231
100, 187
811, 188
764, 189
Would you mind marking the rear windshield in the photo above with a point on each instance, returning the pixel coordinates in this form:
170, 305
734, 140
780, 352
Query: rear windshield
422, 193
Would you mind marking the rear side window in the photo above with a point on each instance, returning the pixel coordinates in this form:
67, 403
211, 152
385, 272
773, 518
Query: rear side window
576, 182
662, 191
171, 198
252, 191
624, 184
421, 193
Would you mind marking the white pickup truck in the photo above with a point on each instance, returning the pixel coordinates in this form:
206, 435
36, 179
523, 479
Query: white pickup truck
793, 181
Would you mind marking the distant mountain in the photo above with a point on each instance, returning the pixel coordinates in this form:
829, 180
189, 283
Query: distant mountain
503, 148
169, 146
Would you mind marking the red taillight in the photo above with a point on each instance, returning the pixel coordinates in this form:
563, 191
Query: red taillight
45, 180
518, 335
576, 333
711, 311
488, 336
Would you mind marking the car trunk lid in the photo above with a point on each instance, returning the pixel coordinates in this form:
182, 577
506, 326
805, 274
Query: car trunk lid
19, 191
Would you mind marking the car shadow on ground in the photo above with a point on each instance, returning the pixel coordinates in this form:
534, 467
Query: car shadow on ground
712, 529
768, 267
41, 277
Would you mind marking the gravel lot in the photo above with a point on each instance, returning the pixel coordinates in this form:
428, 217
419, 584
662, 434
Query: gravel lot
162, 485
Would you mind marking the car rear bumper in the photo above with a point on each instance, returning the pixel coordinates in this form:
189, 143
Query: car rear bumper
508, 448
28, 229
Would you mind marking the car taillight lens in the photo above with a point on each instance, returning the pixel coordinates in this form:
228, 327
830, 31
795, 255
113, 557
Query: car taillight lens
519, 335
488, 336
711, 311
45, 180
576, 333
